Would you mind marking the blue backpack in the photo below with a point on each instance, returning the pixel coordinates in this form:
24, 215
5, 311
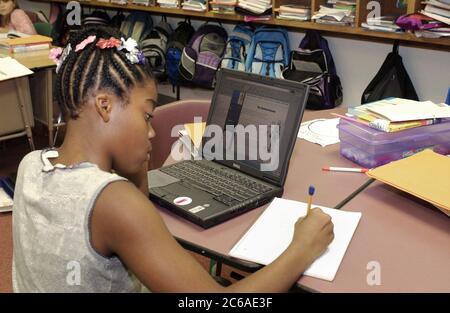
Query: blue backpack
269, 52
175, 45
238, 45
202, 56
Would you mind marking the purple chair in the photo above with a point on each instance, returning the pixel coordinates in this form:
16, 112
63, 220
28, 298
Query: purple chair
165, 118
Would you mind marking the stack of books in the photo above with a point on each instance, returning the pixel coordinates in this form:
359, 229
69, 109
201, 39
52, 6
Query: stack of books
26, 44
144, 2
194, 5
397, 114
382, 23
293, 12
336, 12
173, 4
223, 6
256, 7
438, 10
121, 2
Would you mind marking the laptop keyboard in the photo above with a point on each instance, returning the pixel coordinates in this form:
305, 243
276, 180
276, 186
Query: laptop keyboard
227, 187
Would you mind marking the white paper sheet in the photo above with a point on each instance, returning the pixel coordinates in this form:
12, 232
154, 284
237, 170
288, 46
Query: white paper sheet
321, 131
272, 233
10, 68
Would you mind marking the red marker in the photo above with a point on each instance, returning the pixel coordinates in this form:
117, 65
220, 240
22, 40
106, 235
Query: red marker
345, 169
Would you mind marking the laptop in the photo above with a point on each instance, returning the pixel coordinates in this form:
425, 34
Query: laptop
250, 133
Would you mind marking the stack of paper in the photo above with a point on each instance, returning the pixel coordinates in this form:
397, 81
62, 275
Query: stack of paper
424, 175
194, 5
397, 114
321, 131
255, 6
223, 6
168, 3
382, 23
10, 68
272, 233
336, 13
294, 12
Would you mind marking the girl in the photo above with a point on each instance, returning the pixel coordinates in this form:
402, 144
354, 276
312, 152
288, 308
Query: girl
13, 18
78, 227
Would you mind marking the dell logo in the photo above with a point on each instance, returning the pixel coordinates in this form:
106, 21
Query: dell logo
236, 166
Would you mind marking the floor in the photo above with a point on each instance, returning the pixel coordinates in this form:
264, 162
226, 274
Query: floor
12, 151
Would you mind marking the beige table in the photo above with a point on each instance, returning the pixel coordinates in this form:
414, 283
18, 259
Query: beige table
41, 86
403, 239
305, 169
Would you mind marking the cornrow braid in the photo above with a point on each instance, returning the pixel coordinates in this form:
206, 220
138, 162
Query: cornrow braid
92, 69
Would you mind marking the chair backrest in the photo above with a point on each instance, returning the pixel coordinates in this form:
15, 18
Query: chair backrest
168, 116
44, 29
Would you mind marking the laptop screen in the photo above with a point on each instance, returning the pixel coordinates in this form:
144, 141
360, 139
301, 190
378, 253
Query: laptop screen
253, 123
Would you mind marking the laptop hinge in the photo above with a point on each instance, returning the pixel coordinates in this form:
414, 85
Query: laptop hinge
270, 180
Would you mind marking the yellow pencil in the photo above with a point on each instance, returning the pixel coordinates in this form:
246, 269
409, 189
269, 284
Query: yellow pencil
311, 193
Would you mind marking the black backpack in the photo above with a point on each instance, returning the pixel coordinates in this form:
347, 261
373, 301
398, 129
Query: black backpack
313, 64
392, 80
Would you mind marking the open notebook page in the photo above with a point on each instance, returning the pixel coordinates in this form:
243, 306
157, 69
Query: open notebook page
273, 231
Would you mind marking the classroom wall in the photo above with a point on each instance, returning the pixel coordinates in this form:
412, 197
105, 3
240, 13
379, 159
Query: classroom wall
357, 62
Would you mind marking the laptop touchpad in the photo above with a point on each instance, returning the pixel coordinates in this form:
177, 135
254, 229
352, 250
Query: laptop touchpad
156, 178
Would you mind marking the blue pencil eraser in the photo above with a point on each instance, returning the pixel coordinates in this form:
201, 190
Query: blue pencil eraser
311, 190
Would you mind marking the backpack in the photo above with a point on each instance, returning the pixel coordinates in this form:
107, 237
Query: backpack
97, 18
313, 64
117, 20
154, 48
237, 47
269, 52
202, 56
137, 25
392, 80
177, 41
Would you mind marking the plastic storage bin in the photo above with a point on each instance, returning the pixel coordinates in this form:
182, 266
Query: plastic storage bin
370, 148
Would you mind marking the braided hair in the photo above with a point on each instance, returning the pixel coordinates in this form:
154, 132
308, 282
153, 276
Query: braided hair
92, 69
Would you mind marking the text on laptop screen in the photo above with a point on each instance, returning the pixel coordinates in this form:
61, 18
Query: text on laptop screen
254, 117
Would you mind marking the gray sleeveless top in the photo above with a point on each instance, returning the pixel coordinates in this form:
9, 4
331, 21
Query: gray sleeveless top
52, 250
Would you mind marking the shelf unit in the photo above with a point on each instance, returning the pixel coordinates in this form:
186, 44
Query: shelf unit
357, 32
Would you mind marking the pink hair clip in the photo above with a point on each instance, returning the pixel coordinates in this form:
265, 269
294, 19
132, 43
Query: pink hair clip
108, 43
85, 42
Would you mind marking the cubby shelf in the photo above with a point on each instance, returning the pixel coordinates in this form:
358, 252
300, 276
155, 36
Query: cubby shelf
357, 32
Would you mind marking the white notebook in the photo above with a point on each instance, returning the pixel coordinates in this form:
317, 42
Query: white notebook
271, 234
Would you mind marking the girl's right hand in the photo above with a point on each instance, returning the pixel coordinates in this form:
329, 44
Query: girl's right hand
313, 234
